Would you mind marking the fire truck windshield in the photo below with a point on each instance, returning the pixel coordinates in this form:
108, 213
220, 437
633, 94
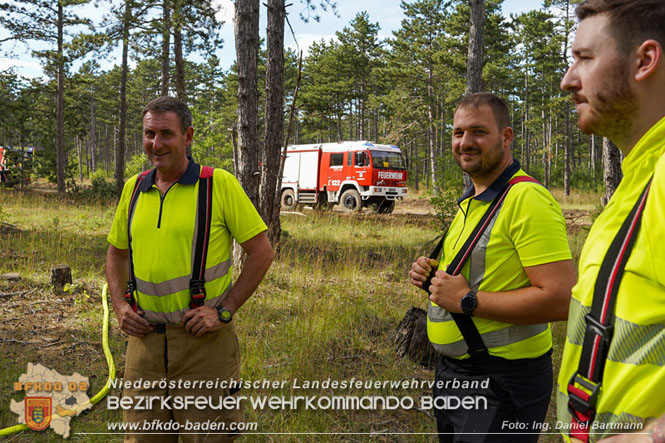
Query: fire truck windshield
387, 160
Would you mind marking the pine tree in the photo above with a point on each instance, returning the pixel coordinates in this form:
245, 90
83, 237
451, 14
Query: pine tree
36, 20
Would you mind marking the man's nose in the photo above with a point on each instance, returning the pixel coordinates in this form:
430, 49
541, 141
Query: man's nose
466, 141
157, 141
569, 82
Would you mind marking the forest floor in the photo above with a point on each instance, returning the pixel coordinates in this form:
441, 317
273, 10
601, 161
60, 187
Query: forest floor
327, 309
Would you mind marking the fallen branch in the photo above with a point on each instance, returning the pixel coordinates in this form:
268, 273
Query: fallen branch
53, 343
78, 341
11, 294
13, 340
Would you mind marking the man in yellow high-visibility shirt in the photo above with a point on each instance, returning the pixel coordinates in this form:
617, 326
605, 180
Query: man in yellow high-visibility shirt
518, 278
182, 341
612, 375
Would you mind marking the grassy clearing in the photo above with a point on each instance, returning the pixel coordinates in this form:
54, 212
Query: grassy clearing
328, 309
585, 200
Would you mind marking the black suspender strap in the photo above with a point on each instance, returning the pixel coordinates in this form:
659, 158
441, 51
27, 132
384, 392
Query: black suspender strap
204, 213
131, 283
476, 346
584, 385
203, 222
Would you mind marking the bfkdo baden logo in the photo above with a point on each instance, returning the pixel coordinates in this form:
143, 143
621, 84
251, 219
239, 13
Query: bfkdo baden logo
38, 412
51, 399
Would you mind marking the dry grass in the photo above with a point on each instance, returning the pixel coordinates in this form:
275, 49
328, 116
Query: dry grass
327, 309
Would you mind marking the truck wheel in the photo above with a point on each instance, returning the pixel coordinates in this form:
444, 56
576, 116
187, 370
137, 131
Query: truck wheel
288, 200
387, 207
350, 201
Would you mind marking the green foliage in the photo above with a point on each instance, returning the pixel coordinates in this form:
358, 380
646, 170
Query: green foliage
211, 146
100, 190
101, 186
445, 205
136, 165
400, 90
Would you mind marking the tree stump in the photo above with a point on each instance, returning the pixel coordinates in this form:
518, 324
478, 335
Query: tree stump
60, 276
411, 338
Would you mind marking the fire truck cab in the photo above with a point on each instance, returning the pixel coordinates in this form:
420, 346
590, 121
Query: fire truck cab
352, 174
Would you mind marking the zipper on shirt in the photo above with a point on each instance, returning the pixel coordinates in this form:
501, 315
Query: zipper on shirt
161, 204
468, 206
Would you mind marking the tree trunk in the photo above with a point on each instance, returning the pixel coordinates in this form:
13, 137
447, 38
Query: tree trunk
415, 162
475, 55
567, 154
592, 153
60, 108
282, 159
179, 61
611, 169
375, 126
120, 151
339, 123
106, 149
80, 158
567, 147
87, 159
247, 48
177, 52
274, 117
166, 45
527, 139
351, 120
474, 65
545, 142
93, 136
431, 130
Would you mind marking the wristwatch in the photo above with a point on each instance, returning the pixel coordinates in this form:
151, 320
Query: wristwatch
224, 314
469, 302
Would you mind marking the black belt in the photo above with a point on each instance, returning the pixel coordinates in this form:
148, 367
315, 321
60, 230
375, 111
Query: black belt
490, 363
160, 328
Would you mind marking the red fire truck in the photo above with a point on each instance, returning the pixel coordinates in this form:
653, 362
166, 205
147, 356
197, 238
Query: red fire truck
352, 174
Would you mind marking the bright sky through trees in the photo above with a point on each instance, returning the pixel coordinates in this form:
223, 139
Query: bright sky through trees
386, 12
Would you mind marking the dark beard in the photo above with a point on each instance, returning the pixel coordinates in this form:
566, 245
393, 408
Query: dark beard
488, 164
614, 108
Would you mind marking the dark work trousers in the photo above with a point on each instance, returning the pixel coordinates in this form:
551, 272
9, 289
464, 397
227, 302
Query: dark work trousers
506, 400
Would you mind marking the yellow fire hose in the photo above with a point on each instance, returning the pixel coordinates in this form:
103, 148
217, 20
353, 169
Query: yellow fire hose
109, 362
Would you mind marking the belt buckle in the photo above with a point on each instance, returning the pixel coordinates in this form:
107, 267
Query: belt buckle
578, 404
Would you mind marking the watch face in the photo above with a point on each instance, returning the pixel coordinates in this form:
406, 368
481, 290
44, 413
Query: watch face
224, 314
469, 303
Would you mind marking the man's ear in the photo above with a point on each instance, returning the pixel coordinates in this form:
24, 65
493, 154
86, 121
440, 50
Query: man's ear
507, 136
649, 58
189, 135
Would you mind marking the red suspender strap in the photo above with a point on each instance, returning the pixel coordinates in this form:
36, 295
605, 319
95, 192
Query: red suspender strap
476, 346
584, 385
131, 283
203, 218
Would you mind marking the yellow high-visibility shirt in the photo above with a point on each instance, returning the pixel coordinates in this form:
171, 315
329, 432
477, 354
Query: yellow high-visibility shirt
634, 374
163, 230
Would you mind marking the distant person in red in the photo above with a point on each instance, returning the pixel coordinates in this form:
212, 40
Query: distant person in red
3, 166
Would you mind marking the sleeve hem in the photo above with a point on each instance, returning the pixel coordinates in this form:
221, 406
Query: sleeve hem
251, 234
546, 259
